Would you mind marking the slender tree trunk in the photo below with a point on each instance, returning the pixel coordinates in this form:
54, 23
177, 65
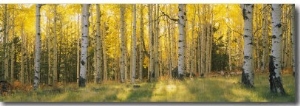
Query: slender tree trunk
123, 44
23, 54
293, 37
181, 41
6, 51
265, 36
98, 45
37, 58
55, 45
151, 57
84, 45
12, 60
141, 60
169, 45
247, 75
133, 46
104, 54
276, 85
156, 43
78, 50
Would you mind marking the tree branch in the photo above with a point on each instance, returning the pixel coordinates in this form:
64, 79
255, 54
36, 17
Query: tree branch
164, 14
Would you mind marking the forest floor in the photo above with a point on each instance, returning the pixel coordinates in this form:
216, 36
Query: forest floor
207, 89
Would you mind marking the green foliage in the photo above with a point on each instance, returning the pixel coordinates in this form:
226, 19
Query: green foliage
219, 58
214, 89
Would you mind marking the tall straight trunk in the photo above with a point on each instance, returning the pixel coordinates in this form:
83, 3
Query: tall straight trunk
151, 57
228, 40
12, 54
193, 45
49, 45
123, 47
55, 45
6, 51
78, 50
84, 44
98, 45
141, 57
265, 36
104, 54
23, 54
276, 85
169, 45
247, 74
37, 57
293, 37
181, 41
133, 46
156, 43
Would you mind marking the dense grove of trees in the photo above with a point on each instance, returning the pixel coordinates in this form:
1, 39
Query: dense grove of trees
65, 43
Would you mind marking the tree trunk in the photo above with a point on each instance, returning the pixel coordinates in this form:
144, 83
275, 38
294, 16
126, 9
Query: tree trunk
151, 57
84, 45
133, 46
104, 54
156, 42
98, 45
54, 49
6, 51
23, 54
247, 74
275, 58
141, 59
181, 41
123, 44
293, 37
37, 48
78, 50
265, 37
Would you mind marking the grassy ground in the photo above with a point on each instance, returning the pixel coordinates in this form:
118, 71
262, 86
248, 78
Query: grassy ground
212, 89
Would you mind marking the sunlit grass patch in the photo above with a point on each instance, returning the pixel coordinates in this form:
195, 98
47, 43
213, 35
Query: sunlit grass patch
211, 89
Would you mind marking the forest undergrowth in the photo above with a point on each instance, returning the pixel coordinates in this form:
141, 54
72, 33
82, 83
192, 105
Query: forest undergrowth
205, 89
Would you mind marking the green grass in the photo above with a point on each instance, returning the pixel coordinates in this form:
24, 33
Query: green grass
213, 89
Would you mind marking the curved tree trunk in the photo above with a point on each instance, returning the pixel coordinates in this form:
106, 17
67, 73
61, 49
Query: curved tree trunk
84, 44
181, 41
37, 48
275, 58
247, 75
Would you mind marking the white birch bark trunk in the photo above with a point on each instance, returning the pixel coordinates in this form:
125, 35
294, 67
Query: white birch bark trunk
275, 58
84, 45
247, 75
181, 40
37, 48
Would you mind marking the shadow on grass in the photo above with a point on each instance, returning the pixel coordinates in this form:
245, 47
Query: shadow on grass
230, 90
141, 94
